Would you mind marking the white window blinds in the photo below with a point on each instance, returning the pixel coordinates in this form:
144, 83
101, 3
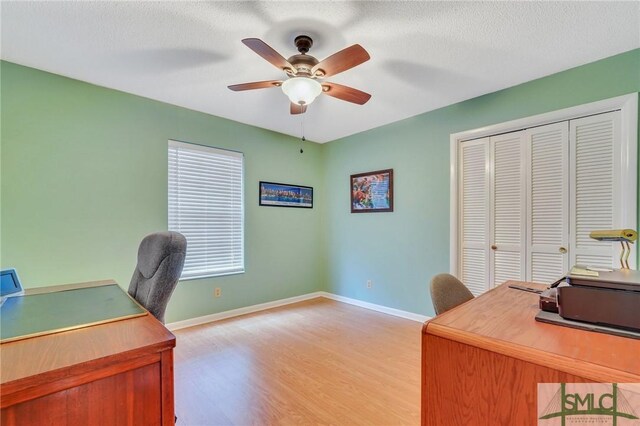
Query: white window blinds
206, 206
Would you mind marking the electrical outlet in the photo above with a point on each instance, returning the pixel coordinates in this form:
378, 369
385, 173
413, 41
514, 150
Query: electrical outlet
369, 284
218, 292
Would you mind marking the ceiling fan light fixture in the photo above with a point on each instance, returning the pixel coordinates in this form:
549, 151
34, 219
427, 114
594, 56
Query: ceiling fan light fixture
301, 86
301, 90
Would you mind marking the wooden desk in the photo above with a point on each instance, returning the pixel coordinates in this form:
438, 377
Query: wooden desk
118, 373
482, 361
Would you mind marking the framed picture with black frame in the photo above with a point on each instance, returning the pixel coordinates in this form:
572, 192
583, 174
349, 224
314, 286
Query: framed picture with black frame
274, 194
372, 192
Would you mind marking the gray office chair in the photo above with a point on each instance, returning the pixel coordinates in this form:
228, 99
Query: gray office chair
160, 261
447, 292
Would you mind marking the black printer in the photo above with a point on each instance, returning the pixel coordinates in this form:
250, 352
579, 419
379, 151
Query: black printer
612, 298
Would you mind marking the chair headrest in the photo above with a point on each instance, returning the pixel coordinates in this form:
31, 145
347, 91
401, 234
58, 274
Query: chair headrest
156, 247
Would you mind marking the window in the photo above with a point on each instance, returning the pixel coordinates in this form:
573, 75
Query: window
206, 206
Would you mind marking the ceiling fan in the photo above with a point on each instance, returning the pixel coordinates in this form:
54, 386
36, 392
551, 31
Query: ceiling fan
306, 74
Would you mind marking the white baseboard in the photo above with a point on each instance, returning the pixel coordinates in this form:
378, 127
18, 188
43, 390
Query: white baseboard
379, 308
241, 311
282, 302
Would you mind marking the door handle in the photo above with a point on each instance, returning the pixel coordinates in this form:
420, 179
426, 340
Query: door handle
562, 250
494, 247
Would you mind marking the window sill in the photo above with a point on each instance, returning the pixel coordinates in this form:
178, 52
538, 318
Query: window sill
222, 274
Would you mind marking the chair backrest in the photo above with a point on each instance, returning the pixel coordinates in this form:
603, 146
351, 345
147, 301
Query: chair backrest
160, 261
447, 292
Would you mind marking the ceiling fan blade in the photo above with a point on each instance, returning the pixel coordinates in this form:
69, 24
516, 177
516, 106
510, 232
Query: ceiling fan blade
268, 53
341, 61
298, 109
255, 85
345, 93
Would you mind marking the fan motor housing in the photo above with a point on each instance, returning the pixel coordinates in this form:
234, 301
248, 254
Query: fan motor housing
303, 63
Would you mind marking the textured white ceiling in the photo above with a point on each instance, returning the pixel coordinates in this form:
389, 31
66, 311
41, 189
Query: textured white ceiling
424, 55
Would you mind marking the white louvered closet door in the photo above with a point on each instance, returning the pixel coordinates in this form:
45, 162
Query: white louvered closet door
508, 213
595, 187
474, 204
548, 204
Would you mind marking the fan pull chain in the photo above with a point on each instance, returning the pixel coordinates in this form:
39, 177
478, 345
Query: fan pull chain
303, 138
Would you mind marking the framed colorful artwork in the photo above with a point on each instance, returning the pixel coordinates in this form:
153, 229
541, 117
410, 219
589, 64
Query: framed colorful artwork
372, 192
284, 195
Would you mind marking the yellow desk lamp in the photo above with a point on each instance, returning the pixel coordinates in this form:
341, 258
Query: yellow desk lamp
625, 236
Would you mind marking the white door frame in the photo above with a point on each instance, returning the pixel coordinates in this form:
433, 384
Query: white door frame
627, 104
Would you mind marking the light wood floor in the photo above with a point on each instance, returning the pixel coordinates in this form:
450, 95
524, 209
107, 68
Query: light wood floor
314, 362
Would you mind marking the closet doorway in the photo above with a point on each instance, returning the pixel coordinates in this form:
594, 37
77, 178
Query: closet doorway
525, 194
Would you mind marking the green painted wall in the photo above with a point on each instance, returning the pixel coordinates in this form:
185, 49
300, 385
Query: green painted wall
400, 251
84, 178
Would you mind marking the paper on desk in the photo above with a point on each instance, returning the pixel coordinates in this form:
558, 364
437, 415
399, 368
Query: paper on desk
584, 271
